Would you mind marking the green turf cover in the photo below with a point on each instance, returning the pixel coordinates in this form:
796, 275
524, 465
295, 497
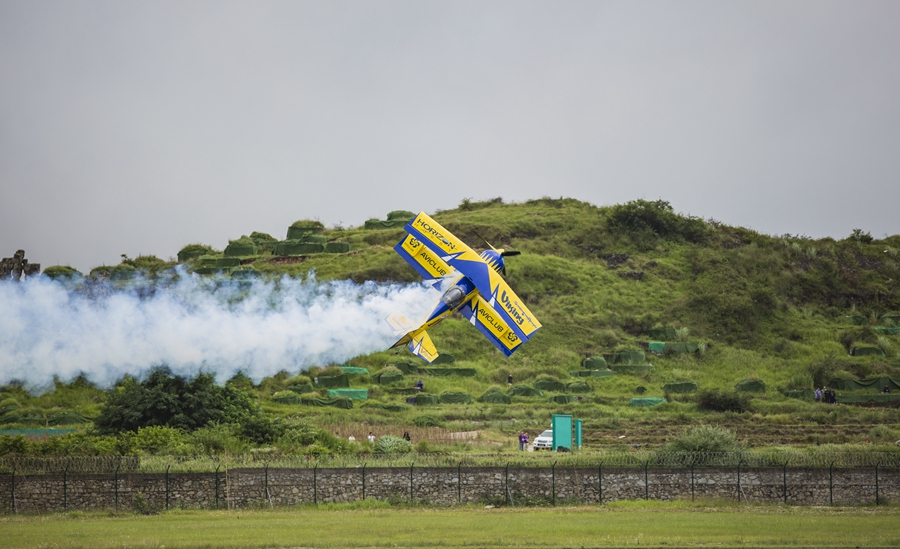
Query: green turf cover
423, 399
287, 397
594, 363
354, 394
495, 397
226, 262
628, 357
524, 390
680, 387
376, 224
549, 385
658, 347
751, 386
856, 320
578, 387
631, 368
341, 402
682, 347
240, 248
871, 385
401, 215
408, 368
444, 358
663, 334
645, 402
390, 377
888, 330
465, 372
891, 319
301, 232
301, 389
337, 247
354, 370
405, 391
866, 351
342, 380
295, 247
193, 250
451, 397
561, 399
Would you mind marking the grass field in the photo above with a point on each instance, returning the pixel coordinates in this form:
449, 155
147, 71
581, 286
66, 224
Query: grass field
633, 524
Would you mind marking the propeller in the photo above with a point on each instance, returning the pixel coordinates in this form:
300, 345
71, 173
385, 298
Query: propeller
501, 251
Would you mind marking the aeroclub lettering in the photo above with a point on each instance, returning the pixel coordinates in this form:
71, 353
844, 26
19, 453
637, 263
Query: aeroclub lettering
428, 229
489, 319
430, 260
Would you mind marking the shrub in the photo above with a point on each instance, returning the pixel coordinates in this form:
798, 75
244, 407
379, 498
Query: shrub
705, 438
61, 272
389, 444
643, 217
723, 401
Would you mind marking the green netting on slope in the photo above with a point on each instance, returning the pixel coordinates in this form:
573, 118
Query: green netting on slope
207, 270
225, 262
451, 397
875, 384
423, 399
804, 394
353, 370
390, 377
632, 368
891, 319
549, 385
301, 389
68, 418
869, 399
866, 351
388, 407
344, 403
408, 368
354, 394
645, 402
682, 347
294, 247
628, 357
578, 387
561, 399
680, 387
888, 330
191, 251
658, 347
375, 224
401, 215
856, 320
337, 247
287, 397
208, 260
302, 233
751, 386
245, 273
524, 390
342, 380
405, 391
495, 397
465, 372
240, 248
444, 358
663, 334
594, 363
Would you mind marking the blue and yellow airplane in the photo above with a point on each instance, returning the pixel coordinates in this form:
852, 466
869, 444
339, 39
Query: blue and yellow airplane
475, 289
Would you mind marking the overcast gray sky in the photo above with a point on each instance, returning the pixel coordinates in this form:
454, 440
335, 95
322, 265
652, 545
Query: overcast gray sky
139, 127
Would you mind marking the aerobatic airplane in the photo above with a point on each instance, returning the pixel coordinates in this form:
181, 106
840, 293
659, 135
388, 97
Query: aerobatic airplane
474, 288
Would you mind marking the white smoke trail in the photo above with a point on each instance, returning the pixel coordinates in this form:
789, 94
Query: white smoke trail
195, 324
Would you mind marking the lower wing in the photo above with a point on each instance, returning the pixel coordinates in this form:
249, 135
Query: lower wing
492, 324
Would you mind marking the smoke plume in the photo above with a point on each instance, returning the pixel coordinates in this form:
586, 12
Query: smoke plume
193, 324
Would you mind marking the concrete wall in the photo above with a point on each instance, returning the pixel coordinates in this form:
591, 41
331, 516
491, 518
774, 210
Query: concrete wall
440, 486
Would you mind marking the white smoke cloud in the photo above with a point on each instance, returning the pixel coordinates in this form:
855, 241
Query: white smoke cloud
194, 324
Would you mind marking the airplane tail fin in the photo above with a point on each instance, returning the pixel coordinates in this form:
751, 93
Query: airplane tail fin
418, 339
422, 346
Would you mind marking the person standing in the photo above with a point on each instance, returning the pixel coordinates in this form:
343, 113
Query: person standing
509, 381
818, 394
371, 437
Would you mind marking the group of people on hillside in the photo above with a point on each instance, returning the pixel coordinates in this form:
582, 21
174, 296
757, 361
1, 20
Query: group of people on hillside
826, 395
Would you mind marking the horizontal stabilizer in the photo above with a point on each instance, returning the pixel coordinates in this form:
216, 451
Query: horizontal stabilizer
400, 324
422, 346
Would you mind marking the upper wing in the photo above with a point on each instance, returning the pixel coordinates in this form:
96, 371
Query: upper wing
454, 253
424, 260
489, 321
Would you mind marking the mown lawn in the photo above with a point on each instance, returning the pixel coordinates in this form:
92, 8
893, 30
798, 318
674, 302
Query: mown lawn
634, 524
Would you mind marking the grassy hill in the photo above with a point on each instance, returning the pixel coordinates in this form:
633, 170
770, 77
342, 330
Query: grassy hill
785, 310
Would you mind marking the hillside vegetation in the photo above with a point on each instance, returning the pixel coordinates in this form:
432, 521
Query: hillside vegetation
784, 310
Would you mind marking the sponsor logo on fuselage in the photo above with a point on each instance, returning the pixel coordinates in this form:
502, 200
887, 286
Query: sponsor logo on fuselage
427, 229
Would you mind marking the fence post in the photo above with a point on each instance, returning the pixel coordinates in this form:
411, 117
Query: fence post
364, 481
315, 485
739, 480
553, 476
876, 481
12, 493
692, 480
459, 483
411, 495
217, 486
831, 483
646, 480
600, 483
784, 481
167, 487
266, 473
117, 484
506, 483
66, 486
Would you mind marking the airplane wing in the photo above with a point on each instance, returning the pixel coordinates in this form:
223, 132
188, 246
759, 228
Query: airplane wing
454, 252
424, 260
490, 323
